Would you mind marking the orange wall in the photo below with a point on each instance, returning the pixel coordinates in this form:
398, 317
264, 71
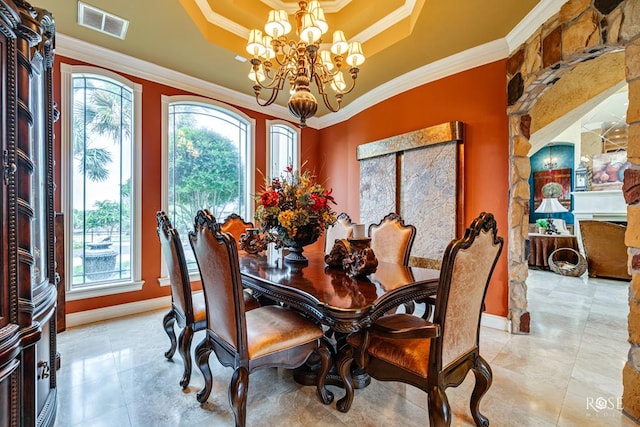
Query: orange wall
330, 152
151, 181
477, 98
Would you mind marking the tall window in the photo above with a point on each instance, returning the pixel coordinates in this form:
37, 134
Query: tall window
101, 136
283, 147
209, 163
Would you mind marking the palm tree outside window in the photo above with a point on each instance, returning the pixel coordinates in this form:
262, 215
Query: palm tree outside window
101, 231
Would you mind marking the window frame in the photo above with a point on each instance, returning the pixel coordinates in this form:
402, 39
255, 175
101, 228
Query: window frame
67, 73
166, 101
296, 130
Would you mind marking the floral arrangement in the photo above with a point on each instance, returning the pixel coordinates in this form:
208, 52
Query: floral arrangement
291, 204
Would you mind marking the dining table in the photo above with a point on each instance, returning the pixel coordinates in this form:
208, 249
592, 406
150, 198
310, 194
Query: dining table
342, 303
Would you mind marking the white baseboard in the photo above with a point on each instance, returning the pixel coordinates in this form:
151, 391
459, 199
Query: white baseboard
120, 310
495, 322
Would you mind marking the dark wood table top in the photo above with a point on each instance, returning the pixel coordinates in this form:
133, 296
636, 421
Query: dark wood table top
343, 303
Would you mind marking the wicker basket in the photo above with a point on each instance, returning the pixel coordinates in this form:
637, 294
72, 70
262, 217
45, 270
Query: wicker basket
568, 262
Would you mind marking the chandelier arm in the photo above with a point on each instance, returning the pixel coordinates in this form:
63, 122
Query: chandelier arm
354, 76
325, 96
271, 100
277, 81
286, 58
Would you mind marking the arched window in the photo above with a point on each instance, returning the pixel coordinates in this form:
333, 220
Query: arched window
208, 160
101, 182
283, 147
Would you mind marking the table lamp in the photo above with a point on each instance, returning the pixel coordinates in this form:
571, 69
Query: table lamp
550, 205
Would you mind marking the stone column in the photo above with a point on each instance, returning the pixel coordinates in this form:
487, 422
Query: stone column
519, 214
631, 189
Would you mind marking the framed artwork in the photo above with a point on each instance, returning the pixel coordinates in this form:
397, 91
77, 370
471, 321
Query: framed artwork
562, 177
608, 170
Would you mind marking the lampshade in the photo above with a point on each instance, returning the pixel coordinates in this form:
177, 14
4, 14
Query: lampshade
550, 205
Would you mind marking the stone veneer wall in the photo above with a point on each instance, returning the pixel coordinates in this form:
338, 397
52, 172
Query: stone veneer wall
582, 30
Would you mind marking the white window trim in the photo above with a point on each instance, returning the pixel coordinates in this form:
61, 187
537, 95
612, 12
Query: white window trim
251, 159
66, 103
296, 129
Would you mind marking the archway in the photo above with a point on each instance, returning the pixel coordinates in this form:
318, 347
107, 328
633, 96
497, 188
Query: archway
582, 32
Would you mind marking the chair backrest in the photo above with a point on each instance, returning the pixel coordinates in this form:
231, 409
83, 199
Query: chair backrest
176, 265
391, 239
217, 257
605, 249
236, 226
342, 229
467, 266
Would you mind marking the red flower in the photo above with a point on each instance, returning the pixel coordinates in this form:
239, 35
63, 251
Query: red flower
319, 202
269, 199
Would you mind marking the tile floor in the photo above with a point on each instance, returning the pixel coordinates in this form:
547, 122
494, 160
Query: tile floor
567, 372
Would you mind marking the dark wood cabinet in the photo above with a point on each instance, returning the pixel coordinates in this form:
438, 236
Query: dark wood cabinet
28, 358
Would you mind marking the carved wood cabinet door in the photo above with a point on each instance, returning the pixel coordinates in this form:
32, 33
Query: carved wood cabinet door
28, 357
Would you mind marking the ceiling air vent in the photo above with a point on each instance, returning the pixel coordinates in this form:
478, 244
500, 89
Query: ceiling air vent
99, 20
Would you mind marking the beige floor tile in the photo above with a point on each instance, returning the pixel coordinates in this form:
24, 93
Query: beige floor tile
564, 373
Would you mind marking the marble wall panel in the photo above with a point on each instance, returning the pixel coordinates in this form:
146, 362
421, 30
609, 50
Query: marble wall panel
377, 188
428, 197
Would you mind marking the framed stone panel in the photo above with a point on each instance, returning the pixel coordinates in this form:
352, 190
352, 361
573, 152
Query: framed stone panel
418, 175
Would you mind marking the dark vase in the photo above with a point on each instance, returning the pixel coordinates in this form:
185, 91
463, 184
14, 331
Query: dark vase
306, 235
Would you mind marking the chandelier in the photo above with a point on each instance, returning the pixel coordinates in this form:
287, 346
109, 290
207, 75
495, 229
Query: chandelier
550, 162
301, 61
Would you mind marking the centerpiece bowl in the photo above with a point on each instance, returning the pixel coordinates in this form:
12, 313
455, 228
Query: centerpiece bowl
306, 235
293, 211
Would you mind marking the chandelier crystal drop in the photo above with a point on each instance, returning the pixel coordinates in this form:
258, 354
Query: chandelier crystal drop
301, 61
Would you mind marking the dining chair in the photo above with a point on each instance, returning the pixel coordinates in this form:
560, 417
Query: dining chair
391, 239
268, 336
236, 226
342, 229
187, 307
435, 355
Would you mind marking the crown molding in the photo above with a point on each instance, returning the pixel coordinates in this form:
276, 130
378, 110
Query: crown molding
470, 58
222, 21
387, 22
101, 57
329, 6
531, 22
402, 12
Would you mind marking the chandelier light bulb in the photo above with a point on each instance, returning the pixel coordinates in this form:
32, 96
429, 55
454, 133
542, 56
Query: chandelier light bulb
256, 76
320, 20
338, 84
269, 52
310, 33
313, 5
254, 45
325, 57
284, 21
340, 44
274, 27
355, 57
